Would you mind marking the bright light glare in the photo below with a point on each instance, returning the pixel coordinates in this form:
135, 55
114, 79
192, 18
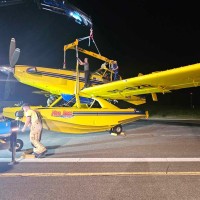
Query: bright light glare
15, 129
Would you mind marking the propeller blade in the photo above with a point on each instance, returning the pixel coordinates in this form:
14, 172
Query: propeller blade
9, 86
15, 57
7, 90
12, 48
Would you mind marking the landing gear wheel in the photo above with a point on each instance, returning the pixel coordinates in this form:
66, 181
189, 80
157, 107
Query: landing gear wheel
19, 145
117, 129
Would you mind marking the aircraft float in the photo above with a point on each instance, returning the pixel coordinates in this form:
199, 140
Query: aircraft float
78, 110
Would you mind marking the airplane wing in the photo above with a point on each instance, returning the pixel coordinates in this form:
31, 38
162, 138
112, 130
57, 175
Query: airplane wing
156, 82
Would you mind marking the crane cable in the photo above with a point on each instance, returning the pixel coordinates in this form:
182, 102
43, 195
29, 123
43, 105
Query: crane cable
90, 37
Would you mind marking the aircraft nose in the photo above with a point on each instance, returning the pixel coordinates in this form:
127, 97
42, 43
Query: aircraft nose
6, 69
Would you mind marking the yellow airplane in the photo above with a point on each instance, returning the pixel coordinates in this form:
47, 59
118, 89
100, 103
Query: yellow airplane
79, 110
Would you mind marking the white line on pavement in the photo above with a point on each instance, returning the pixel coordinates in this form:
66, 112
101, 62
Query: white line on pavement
68, 160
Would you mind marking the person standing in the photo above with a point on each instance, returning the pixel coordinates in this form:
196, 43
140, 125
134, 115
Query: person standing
50, 100
115, 68
86, 70
34, 121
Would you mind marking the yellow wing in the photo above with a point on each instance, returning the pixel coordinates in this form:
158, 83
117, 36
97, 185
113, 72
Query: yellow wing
156, 82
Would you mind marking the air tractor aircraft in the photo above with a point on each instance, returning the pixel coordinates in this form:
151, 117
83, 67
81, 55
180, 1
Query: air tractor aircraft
78, 110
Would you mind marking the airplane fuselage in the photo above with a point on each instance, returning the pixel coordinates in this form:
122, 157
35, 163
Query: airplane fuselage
80, 120
55, 81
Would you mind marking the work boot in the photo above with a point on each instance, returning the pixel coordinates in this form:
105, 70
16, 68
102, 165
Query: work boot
35, 154
41, 154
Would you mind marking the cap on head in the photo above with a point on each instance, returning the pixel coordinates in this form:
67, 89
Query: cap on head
25, 104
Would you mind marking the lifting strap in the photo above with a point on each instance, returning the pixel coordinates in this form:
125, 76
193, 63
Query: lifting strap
90, 37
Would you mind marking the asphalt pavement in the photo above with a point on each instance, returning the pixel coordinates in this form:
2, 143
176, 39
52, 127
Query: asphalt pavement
155, 159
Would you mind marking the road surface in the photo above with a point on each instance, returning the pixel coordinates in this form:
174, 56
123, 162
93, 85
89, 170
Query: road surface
156, 159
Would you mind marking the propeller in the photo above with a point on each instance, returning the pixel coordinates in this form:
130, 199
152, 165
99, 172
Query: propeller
13, 53
9, 69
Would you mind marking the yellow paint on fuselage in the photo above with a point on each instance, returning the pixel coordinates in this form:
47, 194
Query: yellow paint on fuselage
79, 120
55, 81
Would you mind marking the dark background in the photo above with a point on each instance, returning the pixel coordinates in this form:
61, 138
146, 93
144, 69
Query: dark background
143, 36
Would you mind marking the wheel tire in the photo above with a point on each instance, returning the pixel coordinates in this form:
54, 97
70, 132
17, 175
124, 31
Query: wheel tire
117, 129
19, 145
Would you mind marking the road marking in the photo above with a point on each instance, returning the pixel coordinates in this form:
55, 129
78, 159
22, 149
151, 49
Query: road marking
119, 160
100, 174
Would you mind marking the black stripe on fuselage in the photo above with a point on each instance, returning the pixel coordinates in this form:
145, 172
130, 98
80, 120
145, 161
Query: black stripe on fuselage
56, 75
108, 113
91, 113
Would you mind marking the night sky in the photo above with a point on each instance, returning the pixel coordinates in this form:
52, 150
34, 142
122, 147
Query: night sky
143, 36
